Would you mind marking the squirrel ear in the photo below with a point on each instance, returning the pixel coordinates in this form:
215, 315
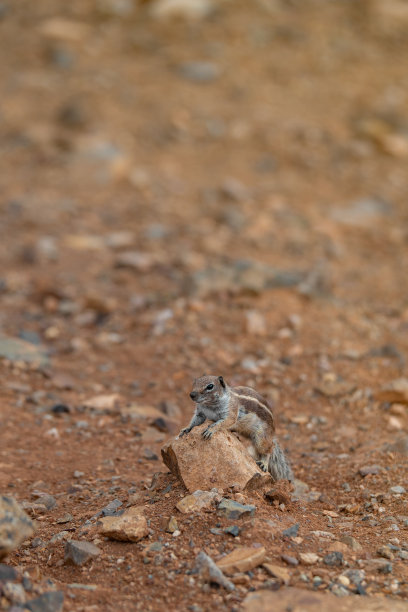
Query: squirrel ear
222, 383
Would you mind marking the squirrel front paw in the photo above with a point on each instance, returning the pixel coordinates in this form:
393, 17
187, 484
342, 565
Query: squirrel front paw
208, 433
183, 432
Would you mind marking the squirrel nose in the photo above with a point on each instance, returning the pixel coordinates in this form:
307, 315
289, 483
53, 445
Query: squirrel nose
194, 395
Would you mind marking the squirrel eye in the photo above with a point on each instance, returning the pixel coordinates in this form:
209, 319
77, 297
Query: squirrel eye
209, 387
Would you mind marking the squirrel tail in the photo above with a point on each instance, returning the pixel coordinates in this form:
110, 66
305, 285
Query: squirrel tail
278, 464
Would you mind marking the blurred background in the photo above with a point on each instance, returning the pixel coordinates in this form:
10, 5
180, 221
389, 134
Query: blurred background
181, 176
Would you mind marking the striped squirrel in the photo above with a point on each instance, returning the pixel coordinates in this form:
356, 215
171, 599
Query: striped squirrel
243, 410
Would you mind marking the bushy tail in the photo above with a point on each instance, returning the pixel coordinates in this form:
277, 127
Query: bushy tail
278, 464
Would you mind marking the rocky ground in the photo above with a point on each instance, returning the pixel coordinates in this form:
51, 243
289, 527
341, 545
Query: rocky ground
220, 192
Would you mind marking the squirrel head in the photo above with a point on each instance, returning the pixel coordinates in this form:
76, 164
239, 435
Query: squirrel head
208, 390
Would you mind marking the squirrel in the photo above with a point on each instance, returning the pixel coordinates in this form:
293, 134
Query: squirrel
243, 410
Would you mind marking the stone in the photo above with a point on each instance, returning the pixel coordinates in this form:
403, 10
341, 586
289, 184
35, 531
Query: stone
398, 490
242, 559
206, 464
383, 566
308, 558
14, 592
209, 572
362, 213
394, 392
369, 470
334, 559
135, 260
111, 508
303, 600
289, 559
199, 72
233, 510
400, 446
233, 530
47, 602
15, 525
172, 525
7, 572
131, 526
277, 571
335, 388
255, 323
47, 500
197, 501
109, 402
17, 350
351, 542
184, 9
78, 552
292, 531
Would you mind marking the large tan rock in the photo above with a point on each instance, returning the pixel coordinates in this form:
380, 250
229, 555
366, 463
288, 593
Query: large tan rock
131, 526
302, 600
242, 559
220, 462
395, 391
15, 525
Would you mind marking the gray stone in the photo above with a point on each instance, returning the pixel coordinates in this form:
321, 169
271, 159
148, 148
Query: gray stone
355, 576
233, 510
48, 602
209, 572
234, 530
7, 572
369, 470
47, 500
15, 349
78, 552
199, 72
14, 592
111, 508
398, 490
334, 559
292, 531
289, 559
15, 525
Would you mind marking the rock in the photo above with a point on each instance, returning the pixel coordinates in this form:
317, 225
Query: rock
66, 518
47, 602
7, 572
302, 600
140, 262
131, 526
204, 464
199, 72
334, 559
292, 531
46, 499
278, 571
59, 28
355, 576
78, 552
308, 558
234, 530
386, 552
185, 9
394, 392
362, 213
383, 566
15, 525
172, 525
370, 470
289, 559
197, 501
151, 416
104, 402
255, 323
16, 350
351, 542
335, 388
209, 572
111, 508
242, 559
400, 446
233, 510
14, 593
398, 490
